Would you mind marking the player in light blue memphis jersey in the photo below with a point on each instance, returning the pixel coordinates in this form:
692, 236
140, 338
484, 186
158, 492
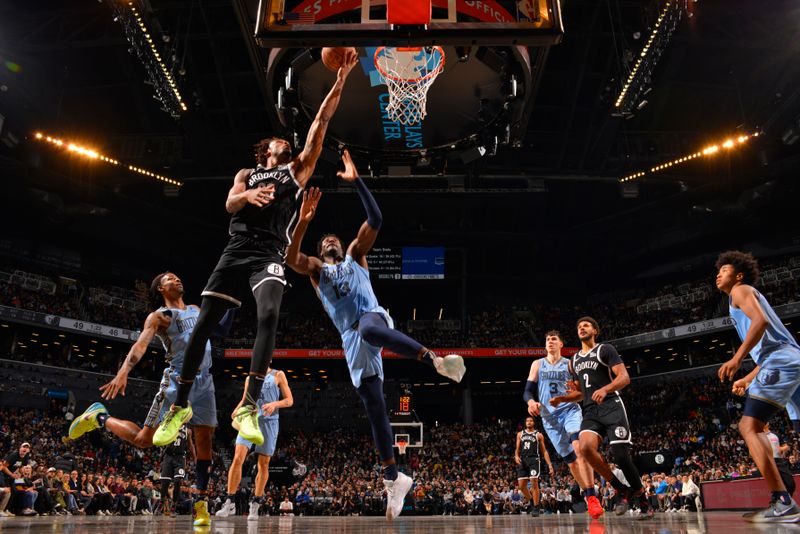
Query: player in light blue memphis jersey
275, 394
774, 381
343, 285
547, 379
172, 323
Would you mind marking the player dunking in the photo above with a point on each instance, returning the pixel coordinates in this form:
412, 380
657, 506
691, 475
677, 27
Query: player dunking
275, 394
529, 450
263, 204
342, 282
548, 378
602, 374
772, 385
172, 324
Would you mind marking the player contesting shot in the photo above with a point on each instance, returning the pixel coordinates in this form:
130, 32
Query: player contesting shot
341, 280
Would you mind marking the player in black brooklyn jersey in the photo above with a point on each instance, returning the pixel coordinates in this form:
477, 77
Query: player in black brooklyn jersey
263, 203
528, 455
601, 375
173, 469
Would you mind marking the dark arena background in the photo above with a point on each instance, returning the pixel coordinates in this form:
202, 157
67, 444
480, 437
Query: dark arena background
577, 158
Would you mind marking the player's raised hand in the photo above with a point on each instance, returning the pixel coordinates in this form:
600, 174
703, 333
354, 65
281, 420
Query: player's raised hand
350, 173
260, 196
309, 206
349, 61
728, 369
115, 387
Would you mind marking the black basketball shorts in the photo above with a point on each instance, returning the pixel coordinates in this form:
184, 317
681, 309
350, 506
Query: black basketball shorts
607, 420
173, 466
245, 261
529, 468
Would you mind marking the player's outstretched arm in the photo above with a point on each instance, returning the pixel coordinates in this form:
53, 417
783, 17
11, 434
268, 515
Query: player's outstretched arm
295, 259
307, 159
368, 232
152, 324
745, 298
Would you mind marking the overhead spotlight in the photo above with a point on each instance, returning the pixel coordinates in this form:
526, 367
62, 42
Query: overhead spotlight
642, 104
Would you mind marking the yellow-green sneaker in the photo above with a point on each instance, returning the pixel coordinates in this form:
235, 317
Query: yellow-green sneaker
87, 421
246, 422
201, 516
168, 430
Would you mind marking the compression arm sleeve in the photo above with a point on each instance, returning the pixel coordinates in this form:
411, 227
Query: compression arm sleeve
531, 391
374, 217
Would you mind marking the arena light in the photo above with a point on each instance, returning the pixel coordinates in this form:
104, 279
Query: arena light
90, 153
727, 144
637, 82
143, 45
157, 56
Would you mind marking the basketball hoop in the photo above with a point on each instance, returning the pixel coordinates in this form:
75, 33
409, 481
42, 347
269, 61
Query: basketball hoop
401, 445
409, 73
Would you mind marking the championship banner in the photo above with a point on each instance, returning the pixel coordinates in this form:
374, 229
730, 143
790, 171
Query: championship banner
332, 354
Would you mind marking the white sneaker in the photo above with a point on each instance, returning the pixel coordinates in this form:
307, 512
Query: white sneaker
253, 515
451, 366
228, 509
396, 491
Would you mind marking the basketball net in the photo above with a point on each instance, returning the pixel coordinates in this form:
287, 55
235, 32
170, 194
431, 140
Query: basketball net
409, 73
401, 445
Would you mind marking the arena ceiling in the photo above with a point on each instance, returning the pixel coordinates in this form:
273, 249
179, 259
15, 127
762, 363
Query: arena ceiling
729, 69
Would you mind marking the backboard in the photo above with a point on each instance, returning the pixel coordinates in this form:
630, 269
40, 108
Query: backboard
310, 23
411, 432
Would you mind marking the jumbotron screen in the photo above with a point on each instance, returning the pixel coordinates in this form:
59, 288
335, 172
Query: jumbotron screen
407, 263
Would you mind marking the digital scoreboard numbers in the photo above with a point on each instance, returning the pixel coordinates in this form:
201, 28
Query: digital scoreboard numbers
403, 406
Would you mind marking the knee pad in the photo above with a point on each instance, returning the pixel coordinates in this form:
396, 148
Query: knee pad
575, 436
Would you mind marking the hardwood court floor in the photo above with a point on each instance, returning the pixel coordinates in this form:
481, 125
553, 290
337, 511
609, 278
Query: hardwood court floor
711, 523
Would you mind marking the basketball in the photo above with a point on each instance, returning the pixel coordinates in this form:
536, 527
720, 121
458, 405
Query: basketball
334, 57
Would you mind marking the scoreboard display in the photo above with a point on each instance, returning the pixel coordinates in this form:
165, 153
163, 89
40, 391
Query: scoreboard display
404, 406
407, 263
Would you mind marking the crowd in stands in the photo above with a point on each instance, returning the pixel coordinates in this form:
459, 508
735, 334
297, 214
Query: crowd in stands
620, 314
462, 469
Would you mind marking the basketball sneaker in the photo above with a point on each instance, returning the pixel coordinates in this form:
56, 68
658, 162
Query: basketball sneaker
228, 509
168, 430
253, 515
87, 421
776, 512
593, 507
246, 422
201, 517
396, 491
451, 366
